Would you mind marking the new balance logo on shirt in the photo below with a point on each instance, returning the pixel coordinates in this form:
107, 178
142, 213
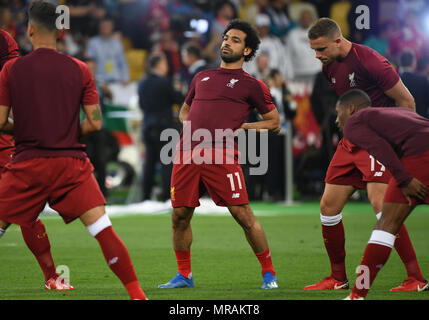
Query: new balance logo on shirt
378, 174
235, 195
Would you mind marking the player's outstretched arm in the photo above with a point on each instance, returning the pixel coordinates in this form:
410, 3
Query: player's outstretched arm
401, 95
93, 120
271, 123
6, 124
184, 111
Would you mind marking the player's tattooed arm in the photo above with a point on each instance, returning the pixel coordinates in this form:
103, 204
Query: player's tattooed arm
401, 95
270, 122
96, 115
6, 123
93, 120
184, 111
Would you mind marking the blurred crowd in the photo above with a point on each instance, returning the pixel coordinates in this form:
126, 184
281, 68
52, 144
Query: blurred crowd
128, 41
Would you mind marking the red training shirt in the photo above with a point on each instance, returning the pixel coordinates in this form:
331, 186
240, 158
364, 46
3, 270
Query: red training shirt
8, 50
363, 68
389, 134
223, 99
45, 90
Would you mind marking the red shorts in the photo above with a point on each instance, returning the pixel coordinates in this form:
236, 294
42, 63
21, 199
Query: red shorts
353, 166
417, 167
5, 157
66, 183
224, 182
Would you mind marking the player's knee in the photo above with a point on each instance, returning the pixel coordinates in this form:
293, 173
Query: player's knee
376, 193
180, 218
328, 207
102, 223
244, 216
376, 203
389, 222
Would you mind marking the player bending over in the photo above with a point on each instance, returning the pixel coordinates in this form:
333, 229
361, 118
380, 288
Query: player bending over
399, 138
348, 65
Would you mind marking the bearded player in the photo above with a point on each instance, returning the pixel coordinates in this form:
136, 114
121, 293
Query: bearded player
348, 66
221, 99
35, 237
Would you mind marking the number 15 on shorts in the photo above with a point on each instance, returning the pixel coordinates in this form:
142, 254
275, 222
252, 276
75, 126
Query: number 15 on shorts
378, 173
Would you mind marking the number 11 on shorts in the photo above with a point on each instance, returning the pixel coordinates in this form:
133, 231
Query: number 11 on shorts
231, 180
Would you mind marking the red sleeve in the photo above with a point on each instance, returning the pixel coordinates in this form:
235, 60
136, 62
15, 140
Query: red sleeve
379, 67
261, 98
8, 48
4, 83
90, 93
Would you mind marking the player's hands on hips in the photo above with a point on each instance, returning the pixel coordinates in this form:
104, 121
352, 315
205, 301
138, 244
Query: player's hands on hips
240, 130
415, 189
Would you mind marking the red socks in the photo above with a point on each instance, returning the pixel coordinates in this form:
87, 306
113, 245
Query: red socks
407, 254
334, 240
119, 261
183, 259
265, 261
374, 258
38, 242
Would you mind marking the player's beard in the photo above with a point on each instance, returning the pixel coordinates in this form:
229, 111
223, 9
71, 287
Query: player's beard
231, 57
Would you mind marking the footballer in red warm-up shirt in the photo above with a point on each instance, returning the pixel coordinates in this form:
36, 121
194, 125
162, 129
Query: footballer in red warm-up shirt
349, 66
47, 127
46, 90
399, 137
365, 69
220, 100
35, 236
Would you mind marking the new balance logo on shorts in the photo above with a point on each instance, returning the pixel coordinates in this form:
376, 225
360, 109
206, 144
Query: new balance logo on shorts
235, 195
378, 174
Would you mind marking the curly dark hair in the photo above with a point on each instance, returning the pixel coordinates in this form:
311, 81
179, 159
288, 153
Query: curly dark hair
252, 39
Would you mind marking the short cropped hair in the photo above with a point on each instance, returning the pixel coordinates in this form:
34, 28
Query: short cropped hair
273, 73
252, 40
355, 97
43, 14
406, 59
154, 59
324, 27
193, 49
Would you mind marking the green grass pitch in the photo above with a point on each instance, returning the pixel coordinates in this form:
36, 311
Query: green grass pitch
223, 264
